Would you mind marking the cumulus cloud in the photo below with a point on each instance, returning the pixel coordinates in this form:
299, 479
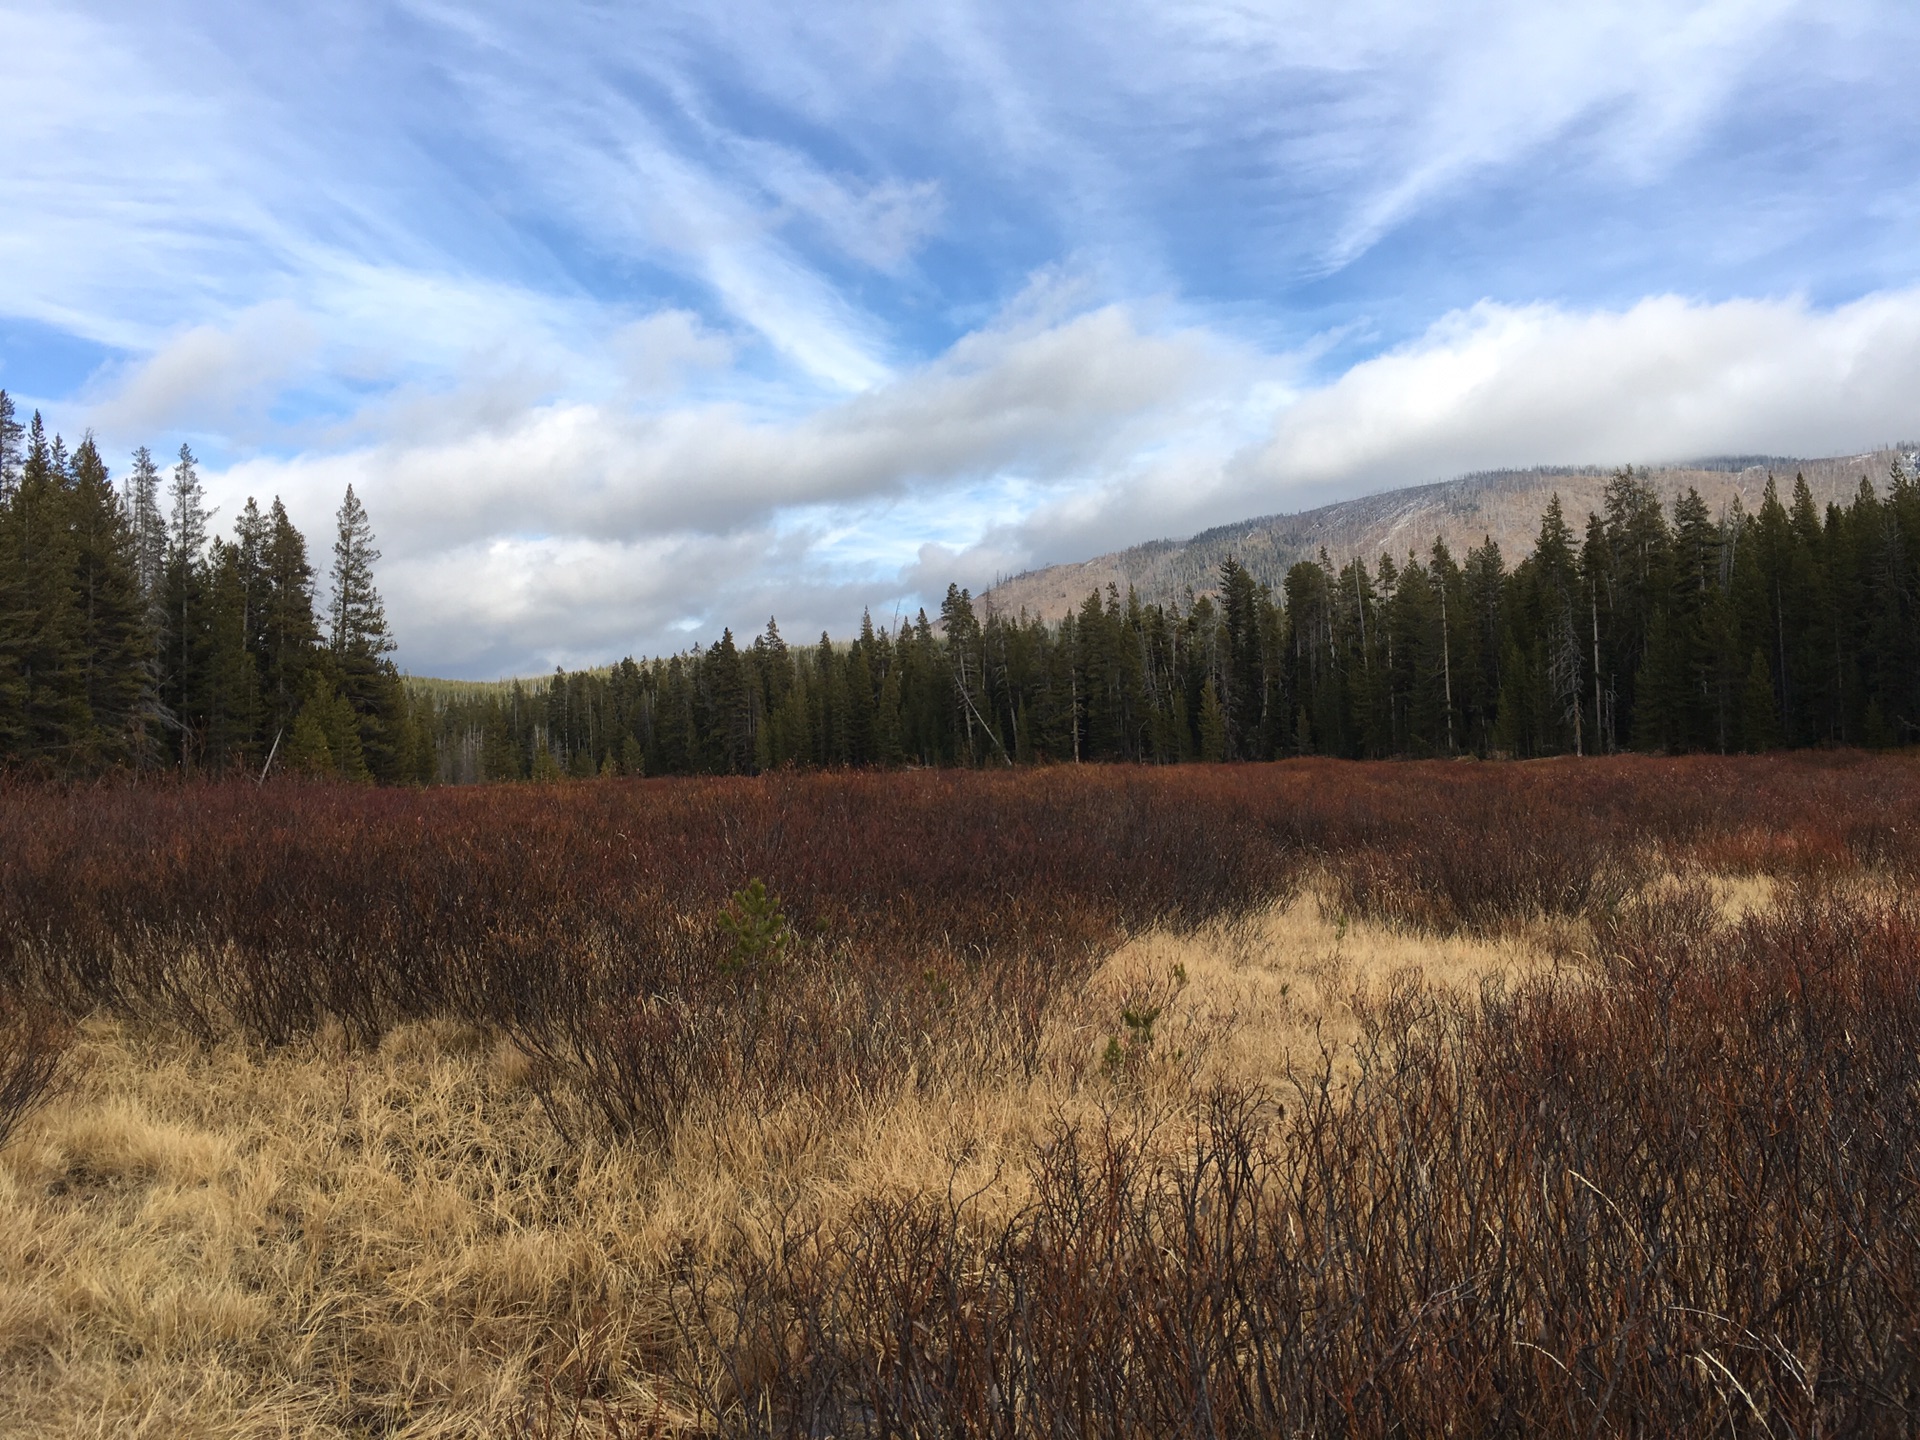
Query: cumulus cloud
1666, 378
586, 527
1509, 386
1069, 398
517, 606
583, 530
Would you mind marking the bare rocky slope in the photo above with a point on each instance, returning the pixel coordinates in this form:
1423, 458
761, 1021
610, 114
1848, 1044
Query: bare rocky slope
1502, 504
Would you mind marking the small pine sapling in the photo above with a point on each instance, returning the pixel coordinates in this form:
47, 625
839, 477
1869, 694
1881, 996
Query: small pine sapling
758, 930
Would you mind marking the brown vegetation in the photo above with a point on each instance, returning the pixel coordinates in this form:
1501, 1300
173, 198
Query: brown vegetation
1310, 1098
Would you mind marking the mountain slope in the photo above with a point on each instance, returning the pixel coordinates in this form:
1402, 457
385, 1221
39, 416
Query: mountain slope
1505, 505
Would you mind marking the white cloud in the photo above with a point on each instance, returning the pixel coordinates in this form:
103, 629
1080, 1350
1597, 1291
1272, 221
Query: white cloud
626, 318
571, 522
1667, 378
1639, 80
1069, 398
880, 225
655, 353
213, 375
1511, 386
579, 530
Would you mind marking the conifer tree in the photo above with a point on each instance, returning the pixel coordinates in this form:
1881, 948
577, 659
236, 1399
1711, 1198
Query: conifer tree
1213, 724
1759, 708
146, 519
289, 634
230, 677
1243, 700
360, 644
44, 614
12, 438
183, 651
359, 619
115, 636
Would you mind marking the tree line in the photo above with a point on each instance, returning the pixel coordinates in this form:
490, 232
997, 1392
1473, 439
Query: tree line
133, 638
1651, 629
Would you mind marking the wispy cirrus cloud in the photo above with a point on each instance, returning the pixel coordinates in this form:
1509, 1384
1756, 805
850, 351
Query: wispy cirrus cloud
709, 308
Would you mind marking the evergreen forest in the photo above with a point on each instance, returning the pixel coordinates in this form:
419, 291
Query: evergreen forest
132, 638
1646, 630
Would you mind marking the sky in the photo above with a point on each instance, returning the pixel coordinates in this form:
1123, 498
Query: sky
631, 322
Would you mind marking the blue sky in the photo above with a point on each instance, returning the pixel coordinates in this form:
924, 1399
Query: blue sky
629, 322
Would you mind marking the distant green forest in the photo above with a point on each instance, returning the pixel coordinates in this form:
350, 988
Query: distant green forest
1646, 629
133, 639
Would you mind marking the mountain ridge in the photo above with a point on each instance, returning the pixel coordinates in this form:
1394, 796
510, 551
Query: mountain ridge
1503, 505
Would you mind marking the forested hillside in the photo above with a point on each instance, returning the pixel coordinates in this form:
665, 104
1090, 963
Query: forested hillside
1501, 505
1646, 627
132, 638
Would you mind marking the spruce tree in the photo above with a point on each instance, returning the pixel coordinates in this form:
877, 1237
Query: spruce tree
361, 643
231, 679
359, 619
44, 690
115, 634
1213, 724
15, 617
289, 634
1244, 700
861, 696
184, 586
12, 437
1759, 708
146, 518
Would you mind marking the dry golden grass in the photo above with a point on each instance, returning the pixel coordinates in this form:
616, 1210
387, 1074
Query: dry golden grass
324, 1241
1273, 988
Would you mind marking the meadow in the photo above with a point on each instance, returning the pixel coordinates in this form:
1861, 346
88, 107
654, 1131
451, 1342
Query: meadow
1574, 1097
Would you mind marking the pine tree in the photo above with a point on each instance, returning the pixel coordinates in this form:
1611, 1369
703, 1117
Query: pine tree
147, 520
1547, 602
1312, 659
12, 437
115, 637
728, 727
1759, 709
289, 634
307, 751
1483, 584
184, 585
231, 679
1633, 580
361, 643
359, 619
44, 720
1213, 724
326, 732
1246, 689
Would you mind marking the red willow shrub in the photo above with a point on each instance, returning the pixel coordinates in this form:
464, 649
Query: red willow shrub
1490, 862
583, 919
1678, 1196
1683, 1200
33, 1041
925, 905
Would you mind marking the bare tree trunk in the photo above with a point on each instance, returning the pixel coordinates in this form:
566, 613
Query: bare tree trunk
1599, 730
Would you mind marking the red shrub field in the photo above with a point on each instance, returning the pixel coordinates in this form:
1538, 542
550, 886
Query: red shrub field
1671, 1187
